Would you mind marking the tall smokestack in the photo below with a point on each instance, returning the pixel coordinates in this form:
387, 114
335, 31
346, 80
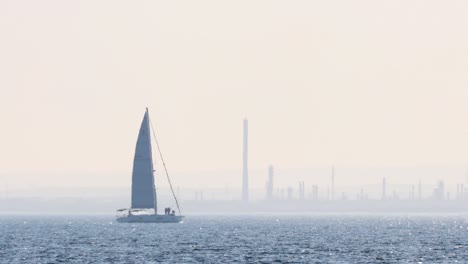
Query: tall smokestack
333, 183
245, 174
419, 191
384, 188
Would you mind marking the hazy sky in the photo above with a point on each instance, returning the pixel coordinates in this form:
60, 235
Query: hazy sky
355, 83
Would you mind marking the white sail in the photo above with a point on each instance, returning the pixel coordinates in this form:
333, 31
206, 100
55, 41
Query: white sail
143, 190
143, 184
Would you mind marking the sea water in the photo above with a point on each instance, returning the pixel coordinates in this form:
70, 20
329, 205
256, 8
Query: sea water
236, 239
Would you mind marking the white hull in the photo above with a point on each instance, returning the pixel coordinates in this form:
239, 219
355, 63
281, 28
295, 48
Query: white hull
151, 219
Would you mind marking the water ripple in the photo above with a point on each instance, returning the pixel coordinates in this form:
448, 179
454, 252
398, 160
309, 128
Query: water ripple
214, 239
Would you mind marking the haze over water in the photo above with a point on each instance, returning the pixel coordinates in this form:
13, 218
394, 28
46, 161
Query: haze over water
362, 85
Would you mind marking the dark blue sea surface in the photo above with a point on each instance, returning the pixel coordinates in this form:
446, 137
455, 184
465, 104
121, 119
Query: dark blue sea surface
236, 239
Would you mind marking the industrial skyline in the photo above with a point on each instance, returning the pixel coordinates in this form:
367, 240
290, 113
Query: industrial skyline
327, 194
289, 193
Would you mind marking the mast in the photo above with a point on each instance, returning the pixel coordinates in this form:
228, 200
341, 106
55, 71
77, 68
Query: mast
164, 165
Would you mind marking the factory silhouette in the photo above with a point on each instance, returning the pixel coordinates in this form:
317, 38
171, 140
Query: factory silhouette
325, 198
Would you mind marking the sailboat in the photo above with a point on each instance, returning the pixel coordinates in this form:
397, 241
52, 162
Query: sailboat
144, 206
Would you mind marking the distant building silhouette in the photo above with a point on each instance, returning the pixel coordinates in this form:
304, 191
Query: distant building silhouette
290, 193
269, 184
301, 190
439, 191
361, 194
314, 192
462, 192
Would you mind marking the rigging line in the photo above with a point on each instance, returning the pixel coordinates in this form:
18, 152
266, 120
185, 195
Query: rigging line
164, 165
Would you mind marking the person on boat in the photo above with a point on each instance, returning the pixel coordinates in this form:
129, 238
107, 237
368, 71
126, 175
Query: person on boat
173, 212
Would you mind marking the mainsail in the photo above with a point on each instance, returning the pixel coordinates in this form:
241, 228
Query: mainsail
143, 190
